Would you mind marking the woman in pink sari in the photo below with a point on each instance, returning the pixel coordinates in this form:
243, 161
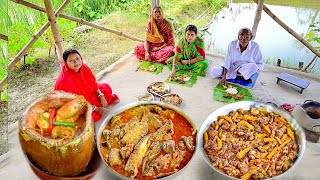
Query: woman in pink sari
77, 78
159, 43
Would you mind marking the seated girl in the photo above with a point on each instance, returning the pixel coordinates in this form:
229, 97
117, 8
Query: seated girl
77, 78
190, 55
159, 43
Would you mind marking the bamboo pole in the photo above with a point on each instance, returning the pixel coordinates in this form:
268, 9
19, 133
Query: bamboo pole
289, 30
4, 37
3, 82
55, 28
311, 62
257, 18
78, 20
24, 50
155, 3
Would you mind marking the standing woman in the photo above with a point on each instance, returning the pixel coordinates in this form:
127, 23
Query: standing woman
159, 43
190, 54
77, 78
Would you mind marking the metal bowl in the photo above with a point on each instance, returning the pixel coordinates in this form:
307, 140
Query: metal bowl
299, 133
171, 94
128, 106
146, 94
150, 90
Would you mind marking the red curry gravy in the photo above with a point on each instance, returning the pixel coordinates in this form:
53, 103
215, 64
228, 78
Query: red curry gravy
181, 126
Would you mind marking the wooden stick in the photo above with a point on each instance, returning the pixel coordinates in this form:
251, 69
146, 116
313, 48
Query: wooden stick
78, 20
4, 37
313, 60
54, 28
257, 19
3, 82
31, 42
291, 31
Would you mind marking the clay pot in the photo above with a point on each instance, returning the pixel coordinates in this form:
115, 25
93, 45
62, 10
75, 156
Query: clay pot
58, 157
87, 174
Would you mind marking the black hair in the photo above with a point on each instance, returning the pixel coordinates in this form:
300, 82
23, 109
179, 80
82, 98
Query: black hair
68, 52
192, 27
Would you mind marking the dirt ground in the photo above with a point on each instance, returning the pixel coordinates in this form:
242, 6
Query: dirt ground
3, 127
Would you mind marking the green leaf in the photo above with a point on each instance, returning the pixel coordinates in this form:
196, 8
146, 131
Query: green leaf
219, 92
80, 8
91, 14
157, 65
189, 83
75, 4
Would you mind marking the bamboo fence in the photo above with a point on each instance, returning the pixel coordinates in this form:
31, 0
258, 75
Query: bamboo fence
54, 27
30, 43
257, 18
3, 37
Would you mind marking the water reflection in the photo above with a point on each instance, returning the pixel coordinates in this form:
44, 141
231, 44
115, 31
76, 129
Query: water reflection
275, 42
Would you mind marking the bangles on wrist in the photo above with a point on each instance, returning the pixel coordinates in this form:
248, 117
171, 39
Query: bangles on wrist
94, 108
101, 94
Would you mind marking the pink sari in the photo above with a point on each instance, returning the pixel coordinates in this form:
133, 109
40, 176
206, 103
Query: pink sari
157, 35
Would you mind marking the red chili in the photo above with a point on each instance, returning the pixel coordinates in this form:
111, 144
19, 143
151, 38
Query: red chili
53, 113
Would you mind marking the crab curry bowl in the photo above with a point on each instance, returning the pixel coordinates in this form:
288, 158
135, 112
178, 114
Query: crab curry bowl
147, 140
251, 140
56, 133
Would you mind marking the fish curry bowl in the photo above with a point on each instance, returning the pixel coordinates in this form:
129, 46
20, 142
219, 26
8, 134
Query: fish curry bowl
56, 134
251, 140
147, 140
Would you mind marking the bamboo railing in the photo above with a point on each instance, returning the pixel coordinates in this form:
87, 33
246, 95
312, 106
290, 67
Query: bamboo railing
30, 43
58, 14
78, 20
257, 18
3, 37
289, 30
54, 27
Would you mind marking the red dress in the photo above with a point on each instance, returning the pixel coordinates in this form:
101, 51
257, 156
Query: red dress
84, 83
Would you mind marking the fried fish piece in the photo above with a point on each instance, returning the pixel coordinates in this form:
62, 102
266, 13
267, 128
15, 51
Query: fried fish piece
151, 154
188, 142
134, 134
135, 160
163, 133
153, 122
114, 157
169, 146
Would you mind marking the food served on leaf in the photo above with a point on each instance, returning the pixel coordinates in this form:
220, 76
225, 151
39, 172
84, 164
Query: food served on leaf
251, 144
56, 134
158, 88
147, 142
239, 96
173, 99
151, 68
232, 90
182, 78
146, 97
228, 96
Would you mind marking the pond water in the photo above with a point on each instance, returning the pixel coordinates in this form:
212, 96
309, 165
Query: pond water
275, 42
